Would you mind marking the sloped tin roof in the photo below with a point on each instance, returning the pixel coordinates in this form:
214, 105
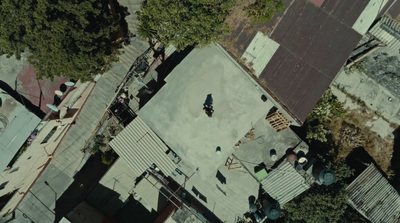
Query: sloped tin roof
140, 147
372, 195
284, 183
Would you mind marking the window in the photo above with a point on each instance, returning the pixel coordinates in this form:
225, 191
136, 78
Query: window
3, 185
51, 133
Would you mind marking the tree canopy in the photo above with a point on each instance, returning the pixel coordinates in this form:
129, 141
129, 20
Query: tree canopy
184, 23
71, 39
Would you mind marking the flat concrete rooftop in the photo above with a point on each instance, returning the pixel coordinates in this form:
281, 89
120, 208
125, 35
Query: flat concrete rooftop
253, 153
176, 113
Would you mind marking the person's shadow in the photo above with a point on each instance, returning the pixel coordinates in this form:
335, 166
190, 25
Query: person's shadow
209, 101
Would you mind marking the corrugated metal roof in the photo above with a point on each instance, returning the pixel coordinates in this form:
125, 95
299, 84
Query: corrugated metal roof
284, 184
16, 124
140, 147
372, 195
68, 156
388, 31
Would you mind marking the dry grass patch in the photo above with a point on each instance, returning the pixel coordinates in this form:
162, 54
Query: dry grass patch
238, 14
350, 132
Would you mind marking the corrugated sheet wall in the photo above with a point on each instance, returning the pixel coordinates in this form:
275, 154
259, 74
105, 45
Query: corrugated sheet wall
373, 196
140, 147
284, 184
388, 31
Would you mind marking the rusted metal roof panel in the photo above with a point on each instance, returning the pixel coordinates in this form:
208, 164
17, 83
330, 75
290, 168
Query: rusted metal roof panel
372, 195
345, 11
297, 84
317, 38
313, 47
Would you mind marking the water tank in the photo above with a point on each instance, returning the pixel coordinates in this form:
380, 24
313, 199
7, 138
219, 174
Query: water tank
327, 177
291, 158
298, 167
272, 154
324, 175
253, 208
303, 161
272, 211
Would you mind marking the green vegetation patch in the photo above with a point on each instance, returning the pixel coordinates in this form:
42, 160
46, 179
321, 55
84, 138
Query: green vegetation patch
264, 10
184, 23
323, 203
327, 108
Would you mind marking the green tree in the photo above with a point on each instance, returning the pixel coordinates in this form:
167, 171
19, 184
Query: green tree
264, 10
185, 23
321, 203
72, 38
317, 132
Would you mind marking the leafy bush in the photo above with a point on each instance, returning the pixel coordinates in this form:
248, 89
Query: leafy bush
327, 108
317, 132
108, 157
95, 148
358, 66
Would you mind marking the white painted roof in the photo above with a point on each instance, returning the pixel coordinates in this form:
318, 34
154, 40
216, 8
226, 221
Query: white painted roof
368, 16
140, 147
176, 113
259, 52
